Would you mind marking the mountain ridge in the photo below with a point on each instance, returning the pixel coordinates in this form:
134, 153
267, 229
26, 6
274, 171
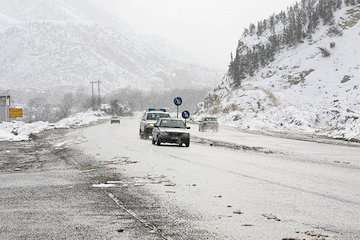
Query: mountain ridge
309, 87
62, 43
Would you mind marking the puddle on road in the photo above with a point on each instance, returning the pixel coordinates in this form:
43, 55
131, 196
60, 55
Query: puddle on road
103, 185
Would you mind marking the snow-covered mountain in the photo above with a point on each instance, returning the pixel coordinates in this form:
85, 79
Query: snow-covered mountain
299, 72
48, 43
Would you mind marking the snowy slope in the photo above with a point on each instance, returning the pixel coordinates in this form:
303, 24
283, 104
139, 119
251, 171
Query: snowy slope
21, 131
69, 43
301, 90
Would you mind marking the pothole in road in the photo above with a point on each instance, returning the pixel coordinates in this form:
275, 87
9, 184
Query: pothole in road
247, 225
271, 217
119, 160
105, 181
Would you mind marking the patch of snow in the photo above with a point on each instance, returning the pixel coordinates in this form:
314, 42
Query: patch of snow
81, 119
21, 131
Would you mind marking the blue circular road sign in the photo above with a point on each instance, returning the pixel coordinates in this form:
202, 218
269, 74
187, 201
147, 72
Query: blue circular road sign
185, 114
178, 101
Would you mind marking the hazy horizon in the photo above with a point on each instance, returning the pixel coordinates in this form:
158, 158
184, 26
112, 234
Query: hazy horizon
206, 30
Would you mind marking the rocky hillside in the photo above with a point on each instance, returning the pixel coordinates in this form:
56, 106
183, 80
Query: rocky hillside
299, 72
49, 43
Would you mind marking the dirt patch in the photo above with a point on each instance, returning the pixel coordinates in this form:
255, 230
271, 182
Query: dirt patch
233, 146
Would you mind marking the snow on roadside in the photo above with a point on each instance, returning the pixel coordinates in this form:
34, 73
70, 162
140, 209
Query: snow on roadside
81, 119
21, 131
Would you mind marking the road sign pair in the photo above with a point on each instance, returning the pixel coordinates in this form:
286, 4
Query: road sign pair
178, 102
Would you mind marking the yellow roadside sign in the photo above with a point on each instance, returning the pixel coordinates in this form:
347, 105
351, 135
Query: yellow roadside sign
16, 112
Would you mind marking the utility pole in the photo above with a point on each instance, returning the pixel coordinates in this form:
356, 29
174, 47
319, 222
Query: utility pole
92, 95
99, 95
96, 103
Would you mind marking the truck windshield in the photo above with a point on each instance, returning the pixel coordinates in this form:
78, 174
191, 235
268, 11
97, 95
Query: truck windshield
172, 124
155, 116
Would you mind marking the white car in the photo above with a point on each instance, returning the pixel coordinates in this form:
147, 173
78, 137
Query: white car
148, 121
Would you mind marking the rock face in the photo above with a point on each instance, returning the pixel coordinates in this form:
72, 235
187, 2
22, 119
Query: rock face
47, 43
300, 90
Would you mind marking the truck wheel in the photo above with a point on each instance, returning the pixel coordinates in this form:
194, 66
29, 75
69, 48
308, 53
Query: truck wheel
153, 141
158, 142
141, 134
187, 144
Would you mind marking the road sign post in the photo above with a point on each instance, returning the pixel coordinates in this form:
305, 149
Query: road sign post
178, 102
185, 115
16, 113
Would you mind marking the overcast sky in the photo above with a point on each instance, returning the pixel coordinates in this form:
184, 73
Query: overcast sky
206, 29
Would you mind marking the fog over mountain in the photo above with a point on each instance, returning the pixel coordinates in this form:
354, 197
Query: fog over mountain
53, 43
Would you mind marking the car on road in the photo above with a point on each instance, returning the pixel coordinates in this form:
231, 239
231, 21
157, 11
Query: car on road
208, 123
149, 119
115, 119
168, 130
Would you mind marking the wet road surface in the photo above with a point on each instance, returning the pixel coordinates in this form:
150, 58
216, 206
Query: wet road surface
47, 193
103, 182
300, 190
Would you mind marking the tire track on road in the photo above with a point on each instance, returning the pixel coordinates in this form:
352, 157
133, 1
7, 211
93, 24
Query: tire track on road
143, 222
342, 200
261, 150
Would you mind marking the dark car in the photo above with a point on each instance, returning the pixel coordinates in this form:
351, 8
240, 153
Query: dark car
115, 119
149, 119
171, 131
208, 123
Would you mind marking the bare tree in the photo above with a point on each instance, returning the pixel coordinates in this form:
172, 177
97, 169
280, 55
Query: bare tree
66, 106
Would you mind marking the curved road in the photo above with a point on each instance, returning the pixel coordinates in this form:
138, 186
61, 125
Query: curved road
301, 192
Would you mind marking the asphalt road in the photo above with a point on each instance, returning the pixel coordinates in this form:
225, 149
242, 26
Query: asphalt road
301, 190
46, 192
104, 182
